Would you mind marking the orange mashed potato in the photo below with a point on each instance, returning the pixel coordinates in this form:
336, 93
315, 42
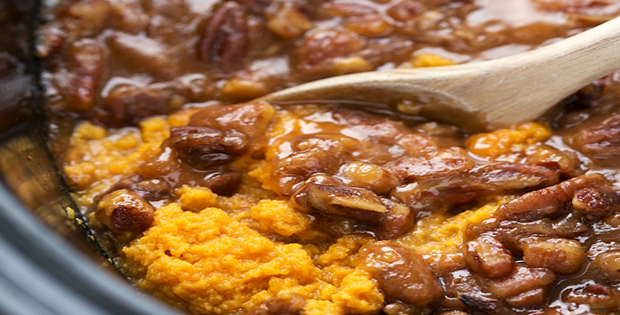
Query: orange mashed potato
206, 253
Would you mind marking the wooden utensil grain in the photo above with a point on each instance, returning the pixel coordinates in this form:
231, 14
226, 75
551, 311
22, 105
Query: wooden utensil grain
489, 94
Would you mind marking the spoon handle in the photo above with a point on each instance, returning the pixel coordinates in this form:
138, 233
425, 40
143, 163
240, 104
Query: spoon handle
490, 94
524, 86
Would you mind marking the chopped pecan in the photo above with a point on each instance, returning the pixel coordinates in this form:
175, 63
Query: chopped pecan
396, 221
312, 155
560, 255
142, 54
488, 257
595, 295
401, 272
398, 308
527, 298
92, 17
319, 49
357, 203
129, 16
609, 264
368, 176
369, 25
521, 280
540, 203
566, 161
127, 105
512, 233
221, 183
480, 181
597, 202
152, 189
444, 163
249, 119
601, 142
125, 211
405, 10
204, 147
225, 39
85, 61
286, 21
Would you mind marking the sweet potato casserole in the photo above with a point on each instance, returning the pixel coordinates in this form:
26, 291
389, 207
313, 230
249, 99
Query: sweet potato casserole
218, 205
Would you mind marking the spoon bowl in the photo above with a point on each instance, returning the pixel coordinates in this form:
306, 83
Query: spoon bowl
484, 95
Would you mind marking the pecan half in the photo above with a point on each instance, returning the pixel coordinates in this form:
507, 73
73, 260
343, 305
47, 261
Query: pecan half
357, 203
204, 147
400, 272
225, 40
125, 211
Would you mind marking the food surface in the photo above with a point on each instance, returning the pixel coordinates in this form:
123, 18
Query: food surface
219, 205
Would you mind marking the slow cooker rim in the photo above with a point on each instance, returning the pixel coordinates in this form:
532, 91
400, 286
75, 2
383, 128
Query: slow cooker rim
31, 248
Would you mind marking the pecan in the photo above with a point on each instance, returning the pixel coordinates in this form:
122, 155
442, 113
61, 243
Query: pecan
479, 181
91, 16
128, 105
249, 119
204, 147
521, 280
368, 176
141, 54
313, 154
369, 25
318, 50
86, 61
531, 297
400, 272
488, 257
225, 39
125, 211
601, 141
609, 264
287, 21
540, 203
444, 163
357, 203
405, 10
222, 183
396, 221
557, 254
597, 202
597, 296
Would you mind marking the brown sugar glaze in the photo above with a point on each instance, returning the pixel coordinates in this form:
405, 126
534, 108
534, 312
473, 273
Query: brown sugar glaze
223, 207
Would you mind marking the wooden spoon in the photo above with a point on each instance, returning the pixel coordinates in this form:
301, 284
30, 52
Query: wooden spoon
490, 94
